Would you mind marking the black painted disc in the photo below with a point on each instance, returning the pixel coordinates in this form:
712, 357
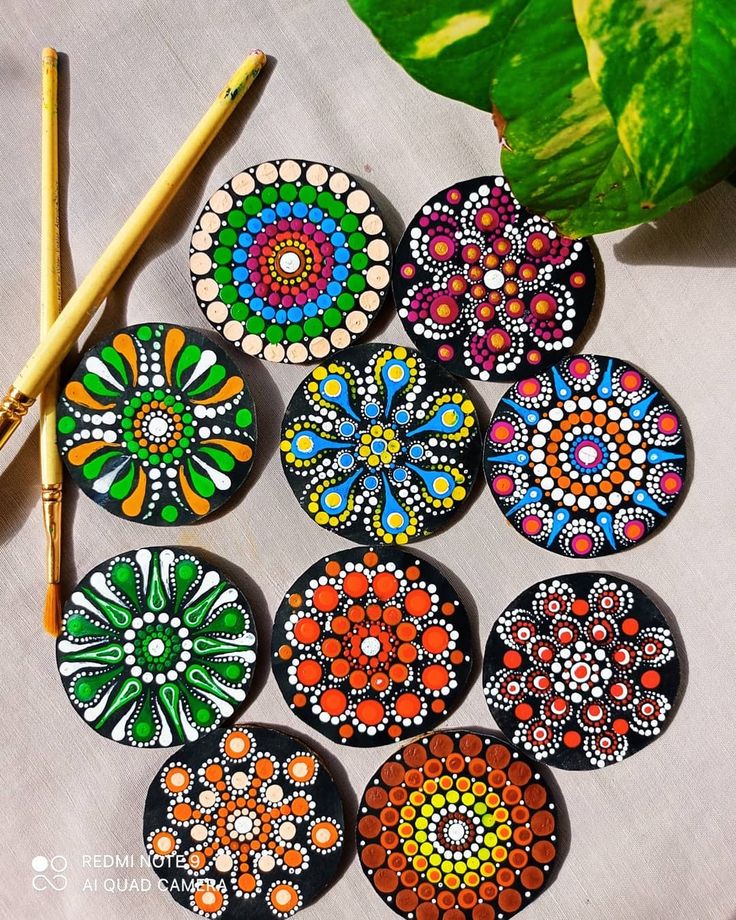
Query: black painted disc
245, 822
380, 445
488, 289
156, 647
371, 646
581, 671
458, 826
586, 459
290, 260
157, 425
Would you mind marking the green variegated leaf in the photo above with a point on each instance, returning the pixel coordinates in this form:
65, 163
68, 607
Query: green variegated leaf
563, 157
449, 46
666, 70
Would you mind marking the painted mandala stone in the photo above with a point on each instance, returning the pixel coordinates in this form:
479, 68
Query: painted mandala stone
581, 671
380, 445
157, 425
586, 459
156, 648
245, 822
371, 646
488, 289
457, 826
290, 260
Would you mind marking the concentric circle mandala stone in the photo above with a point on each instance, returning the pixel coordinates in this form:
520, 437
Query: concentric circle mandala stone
245, 822
156, 647
290, 260
581, 671
380, 445
157, 425
458, 826
371, 646
586, 459
488, 289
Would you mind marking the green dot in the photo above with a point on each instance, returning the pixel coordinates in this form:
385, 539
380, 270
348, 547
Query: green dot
223, 275
294, 333
144, 333
146, 397
229, 237
84, 690
204, 716
346, 302
325, 199
178, 406
269, 194
244, 418
252, 204
359, 261
307, 194
274, 334
143, 731
233, 672
349, 223
184, 443
128, 411
313, 327
185, 569
222, 255
255, 324
169, 401
67, 424
75, 625
187, 417
188, 431
337, 209
236, 219
333, 318
356, 241
169, 513
178, 453
124, 423
154, 459
239, 311
288, 191
159, 394
228, 294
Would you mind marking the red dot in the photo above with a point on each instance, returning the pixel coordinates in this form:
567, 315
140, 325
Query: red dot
650, 679
580, 607
326, 598
630, 626
523, 712
620, 726
571, 739
512, 659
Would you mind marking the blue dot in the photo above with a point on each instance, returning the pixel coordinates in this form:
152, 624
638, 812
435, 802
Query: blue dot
328, 225
372, 410
240, 273
370, 482
245, 290
340, 273
416, 451
311, 308
245, 240
295, 314
254, 225
268, 216
342, 255
347, 429
337, 239
399, 475
283, 209
324, 301
268, 312
334, 288
315, 215
281, 316
300, 209
346, 461
239, 256
257, 303
402, 417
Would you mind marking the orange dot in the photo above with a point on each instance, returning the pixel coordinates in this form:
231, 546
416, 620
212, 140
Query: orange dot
385, 585
435, 677
391, 615
580, 607
418, 602
331, 647
512, 659
620, 726
523, 712
333, 701
309, 672
332, 568
630, 626
326, 598
341, 625
408, 705
264, 768
295, 600
406, 652
285, 652
358, 680
650, 680
213, 772
398, 673
355, 584
406, 631
435, 639
340, 667
306, 630
369, 712
572, 739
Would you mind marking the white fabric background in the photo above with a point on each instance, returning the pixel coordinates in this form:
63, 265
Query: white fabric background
651, 838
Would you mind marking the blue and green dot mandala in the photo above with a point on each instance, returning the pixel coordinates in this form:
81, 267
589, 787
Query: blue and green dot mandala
156, 648
157, 425
290, 260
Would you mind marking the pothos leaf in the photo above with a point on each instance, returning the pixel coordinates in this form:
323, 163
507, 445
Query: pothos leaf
667, 73
563, 157
449, 46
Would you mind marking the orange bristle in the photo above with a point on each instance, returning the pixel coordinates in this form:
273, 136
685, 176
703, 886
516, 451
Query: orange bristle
52, 610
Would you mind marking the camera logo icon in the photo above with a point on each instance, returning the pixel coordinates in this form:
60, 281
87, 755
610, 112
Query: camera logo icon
49, 873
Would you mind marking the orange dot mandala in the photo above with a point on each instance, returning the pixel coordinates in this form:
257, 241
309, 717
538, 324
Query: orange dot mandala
377, 649
457, 826
246, 821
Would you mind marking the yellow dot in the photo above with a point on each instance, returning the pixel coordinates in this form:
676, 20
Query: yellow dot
333, 499
449, 417
441, 485
333, 388
395, 519
396, 372
304, 443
